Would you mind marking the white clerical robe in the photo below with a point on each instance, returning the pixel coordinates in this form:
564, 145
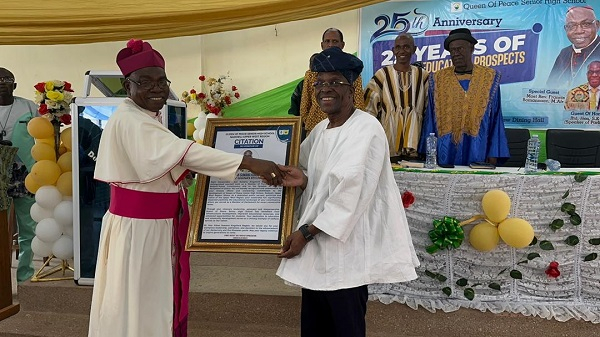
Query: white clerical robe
133, 285
351, 195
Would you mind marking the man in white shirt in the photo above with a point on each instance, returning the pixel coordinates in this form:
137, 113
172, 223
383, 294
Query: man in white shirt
352, 230
586, 96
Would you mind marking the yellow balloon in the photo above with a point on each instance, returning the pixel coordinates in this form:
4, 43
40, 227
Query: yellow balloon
65, 184
43, 151
49, 141
40, 127
190, 129
496, 205
65, 162
200, 141
45, 172
516, 232
30, 184
62, 149
484, 237
65, 137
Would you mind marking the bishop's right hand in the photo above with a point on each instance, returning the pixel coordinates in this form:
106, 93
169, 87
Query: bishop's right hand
267, 170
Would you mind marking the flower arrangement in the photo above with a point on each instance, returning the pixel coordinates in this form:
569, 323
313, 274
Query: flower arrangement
54, 98
218, 96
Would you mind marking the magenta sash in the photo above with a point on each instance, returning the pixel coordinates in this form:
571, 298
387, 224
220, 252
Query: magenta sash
149, 205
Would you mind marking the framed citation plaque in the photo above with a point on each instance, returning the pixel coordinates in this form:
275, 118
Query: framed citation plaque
246, 215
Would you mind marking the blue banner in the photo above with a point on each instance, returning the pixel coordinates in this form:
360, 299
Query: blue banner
522, 39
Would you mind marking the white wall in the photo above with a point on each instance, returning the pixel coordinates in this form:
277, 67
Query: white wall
258, 59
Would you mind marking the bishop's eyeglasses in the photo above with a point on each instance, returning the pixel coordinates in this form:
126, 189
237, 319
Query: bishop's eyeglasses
148, 85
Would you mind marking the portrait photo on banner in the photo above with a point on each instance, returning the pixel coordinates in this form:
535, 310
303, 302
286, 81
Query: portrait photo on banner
543, 51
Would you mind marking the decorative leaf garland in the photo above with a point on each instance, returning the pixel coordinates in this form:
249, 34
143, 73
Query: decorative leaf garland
570, 210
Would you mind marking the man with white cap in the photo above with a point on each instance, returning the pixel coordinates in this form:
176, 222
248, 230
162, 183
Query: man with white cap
142, 274
352, 230
463, 108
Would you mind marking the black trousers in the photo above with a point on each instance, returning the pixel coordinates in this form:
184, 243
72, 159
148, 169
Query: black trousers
338, 313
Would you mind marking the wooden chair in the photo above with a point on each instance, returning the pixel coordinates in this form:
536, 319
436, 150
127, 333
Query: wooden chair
573, 148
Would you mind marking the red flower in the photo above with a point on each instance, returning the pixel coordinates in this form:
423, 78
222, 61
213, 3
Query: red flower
67, 87
41, 87
237, 95
227, 100
234, 88
43, 109
407, 199
201, 95
552, 270
201, 78
66, 119
192, 91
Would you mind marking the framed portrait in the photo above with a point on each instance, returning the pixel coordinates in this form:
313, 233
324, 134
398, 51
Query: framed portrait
246, 215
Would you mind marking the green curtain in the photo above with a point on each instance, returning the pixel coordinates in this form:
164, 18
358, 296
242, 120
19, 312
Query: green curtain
272, 103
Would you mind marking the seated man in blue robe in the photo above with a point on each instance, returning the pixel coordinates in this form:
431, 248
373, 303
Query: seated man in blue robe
463, 108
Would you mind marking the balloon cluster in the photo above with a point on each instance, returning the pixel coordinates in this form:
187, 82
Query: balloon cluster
515, 232
200, 126
50, 180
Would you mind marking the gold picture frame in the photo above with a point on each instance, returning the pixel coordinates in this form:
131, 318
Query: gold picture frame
247, 215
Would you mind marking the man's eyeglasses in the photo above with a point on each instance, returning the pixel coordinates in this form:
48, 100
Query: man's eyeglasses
332, 84
7, 80
584, 25
148, 85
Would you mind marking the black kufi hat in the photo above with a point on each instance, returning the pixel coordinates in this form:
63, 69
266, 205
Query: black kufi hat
334, 59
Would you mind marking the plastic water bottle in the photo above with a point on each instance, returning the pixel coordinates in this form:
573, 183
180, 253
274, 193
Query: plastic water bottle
552, 165
431, 151
533, 150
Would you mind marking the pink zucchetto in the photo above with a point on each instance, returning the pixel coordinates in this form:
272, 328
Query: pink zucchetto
137, 55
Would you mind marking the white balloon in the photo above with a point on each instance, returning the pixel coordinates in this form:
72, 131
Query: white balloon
195, 135
48, 230
48, 196
63, 213
67, 198
63, 248
201, 133
68, 231
39, 213
40, 248
200, 122
211, 116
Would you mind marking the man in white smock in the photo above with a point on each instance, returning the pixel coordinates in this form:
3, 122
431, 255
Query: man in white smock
142, 274
352, 228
